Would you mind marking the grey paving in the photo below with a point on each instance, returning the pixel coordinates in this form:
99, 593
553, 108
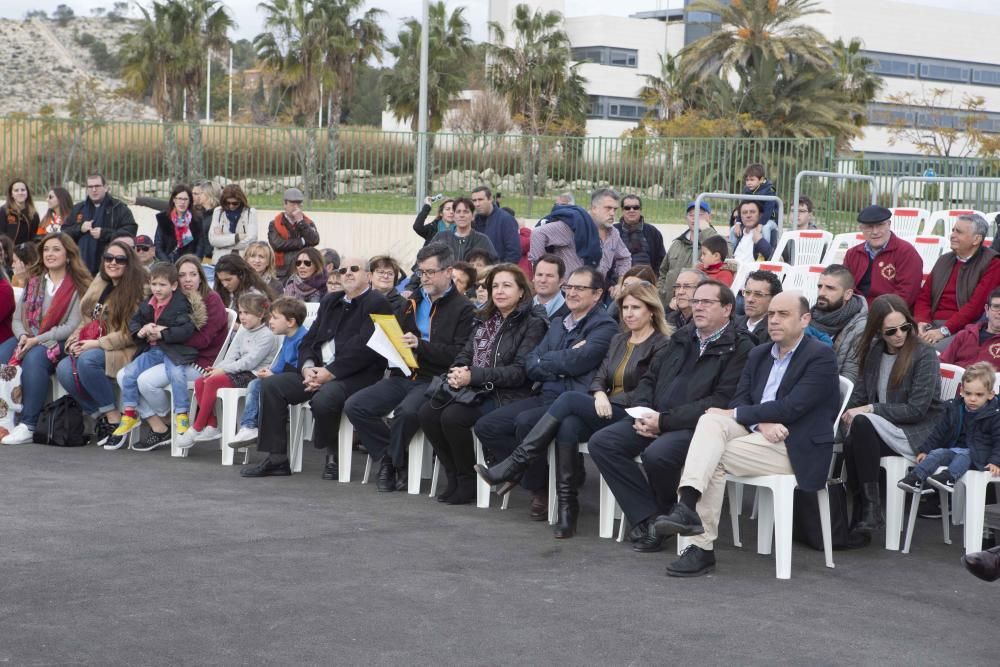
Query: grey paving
118, 558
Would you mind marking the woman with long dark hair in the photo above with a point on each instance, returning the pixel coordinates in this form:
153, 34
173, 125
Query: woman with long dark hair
307, 279
893, 408
234, 278
47, 313
232, 226
18, 217
102, 345
178, 229
60, 204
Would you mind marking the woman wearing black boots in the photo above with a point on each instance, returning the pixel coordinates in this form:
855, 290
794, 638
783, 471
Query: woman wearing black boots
893, 408
492, 364
575, 416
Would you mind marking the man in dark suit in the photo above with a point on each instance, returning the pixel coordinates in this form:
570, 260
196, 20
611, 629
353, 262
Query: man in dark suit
760, 288
780, 422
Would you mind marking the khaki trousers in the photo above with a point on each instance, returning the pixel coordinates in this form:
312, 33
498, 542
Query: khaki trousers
721, 445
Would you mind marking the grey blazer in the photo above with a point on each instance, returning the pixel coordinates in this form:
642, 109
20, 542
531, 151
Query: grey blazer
638, 364
915, 405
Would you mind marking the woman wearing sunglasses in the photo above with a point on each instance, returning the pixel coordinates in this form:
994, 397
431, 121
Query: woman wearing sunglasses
308, 280
234, 224
893, 408
101, 344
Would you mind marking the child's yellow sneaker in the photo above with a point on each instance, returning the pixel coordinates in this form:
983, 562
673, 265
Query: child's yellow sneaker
127, 424
182, 422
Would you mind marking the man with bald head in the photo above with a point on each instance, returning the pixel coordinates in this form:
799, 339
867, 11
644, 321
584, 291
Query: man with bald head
780, 422
334, 363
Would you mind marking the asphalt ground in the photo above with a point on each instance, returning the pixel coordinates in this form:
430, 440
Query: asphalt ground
130, 558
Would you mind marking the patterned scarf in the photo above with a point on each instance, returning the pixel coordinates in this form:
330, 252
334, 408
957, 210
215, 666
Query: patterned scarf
34, 321
482, 344
182, 227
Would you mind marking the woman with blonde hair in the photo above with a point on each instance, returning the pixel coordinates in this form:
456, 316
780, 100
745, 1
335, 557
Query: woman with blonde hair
260, 256
575, 415
47, 313
233, 224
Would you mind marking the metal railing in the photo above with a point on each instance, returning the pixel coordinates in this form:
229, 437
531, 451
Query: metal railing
695, 250
830, 176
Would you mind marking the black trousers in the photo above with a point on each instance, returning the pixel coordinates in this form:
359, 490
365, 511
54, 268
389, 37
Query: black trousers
399, 395
503, 429
279, 391
613, 450
449, 431
862, 450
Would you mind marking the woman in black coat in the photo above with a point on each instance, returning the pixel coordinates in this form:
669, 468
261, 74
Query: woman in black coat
491, 363
442, 222
178, 229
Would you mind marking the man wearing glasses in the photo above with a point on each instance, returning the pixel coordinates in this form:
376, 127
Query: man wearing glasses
565, 360
290, 231
979, 341
644, 241
760, 288
96, 220
437, 322
679, 255
884, 263
679, 309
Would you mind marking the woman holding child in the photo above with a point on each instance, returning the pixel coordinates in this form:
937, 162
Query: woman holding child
893, 408
101, 344
47, 313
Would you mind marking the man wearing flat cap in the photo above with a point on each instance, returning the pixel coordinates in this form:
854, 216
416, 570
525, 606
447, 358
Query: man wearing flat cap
884, 263
290, 231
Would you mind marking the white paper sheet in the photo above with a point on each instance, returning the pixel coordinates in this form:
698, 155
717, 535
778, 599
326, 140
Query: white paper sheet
380, 343
637, 413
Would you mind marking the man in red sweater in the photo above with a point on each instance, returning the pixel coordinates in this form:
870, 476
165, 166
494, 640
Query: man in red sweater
959, 284
979, 341
884, 263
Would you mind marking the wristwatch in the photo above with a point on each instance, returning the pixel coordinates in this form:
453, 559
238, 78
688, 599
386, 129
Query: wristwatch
945, 331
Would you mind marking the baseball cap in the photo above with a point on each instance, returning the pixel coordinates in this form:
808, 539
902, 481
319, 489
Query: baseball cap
704, 206
142, 239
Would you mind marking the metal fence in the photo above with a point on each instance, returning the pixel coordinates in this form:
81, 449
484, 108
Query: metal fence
367, 170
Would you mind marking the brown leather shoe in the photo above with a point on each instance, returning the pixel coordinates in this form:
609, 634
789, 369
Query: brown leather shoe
984, 564
540, 507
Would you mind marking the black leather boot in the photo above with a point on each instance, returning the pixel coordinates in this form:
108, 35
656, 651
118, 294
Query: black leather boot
871, 509
465, 490
508, 472
566, 485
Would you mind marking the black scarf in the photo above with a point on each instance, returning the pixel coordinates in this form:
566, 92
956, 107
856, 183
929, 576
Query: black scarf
234, 218
832, 322
89, 246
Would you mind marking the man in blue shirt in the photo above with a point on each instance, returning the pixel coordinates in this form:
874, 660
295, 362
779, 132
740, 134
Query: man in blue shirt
497, 224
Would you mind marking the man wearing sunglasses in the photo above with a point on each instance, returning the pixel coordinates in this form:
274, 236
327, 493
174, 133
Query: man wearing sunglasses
145, 250
436, 324
644, 241
290, 231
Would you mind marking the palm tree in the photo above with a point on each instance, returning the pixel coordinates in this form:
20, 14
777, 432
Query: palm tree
752, 31
665, 95
857, 79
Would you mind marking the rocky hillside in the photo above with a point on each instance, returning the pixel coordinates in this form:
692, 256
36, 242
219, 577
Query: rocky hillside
41, 60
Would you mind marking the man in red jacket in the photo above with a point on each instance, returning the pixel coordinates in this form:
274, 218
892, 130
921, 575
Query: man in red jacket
956, 290
979, 341
884, 263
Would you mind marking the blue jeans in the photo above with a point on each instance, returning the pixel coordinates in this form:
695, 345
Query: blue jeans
35, 372
98, 394
252, 405
152, 357
957, 459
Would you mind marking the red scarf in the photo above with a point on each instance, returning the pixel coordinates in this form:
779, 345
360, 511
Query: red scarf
35, 294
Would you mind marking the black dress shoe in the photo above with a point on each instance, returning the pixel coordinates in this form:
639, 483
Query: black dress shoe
694, 562
330, 471
449, 489
386, 477
539, 507
401, 479
984, 564
267, 468
682, 520
650, 541
465, 491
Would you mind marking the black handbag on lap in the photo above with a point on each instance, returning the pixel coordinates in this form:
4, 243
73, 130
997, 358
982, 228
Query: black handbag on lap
441, 394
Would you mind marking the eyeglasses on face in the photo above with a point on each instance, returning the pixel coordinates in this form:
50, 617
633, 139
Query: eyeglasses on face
631, 207
303, 262
567, 289
995, 307
891, 331
384, 273
348, 269
120, 260
143, 248
703, 302
755, 293
427, 273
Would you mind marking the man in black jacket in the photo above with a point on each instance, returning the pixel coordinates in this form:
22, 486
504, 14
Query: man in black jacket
436, 324
96, 220
760, 288
642, 239
699, 369
334, 363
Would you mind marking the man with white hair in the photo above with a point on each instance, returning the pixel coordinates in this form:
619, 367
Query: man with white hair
958, 286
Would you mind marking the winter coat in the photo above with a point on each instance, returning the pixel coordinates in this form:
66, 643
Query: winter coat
846, 341
518, 335
724, 272
117, 221
182, 316
711, 384
428, 230
452, 319
654, 241
965, 349
349, 325
461, 245
983, 435
20, 228
118, 346
165, 241
502, 228
759, 333
679, 256
897, 269
915, 404
222, 242
558, 366
301, 235
975, 280
212, 335
636, 367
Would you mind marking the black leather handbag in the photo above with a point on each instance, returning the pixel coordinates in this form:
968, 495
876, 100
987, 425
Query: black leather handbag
441, 394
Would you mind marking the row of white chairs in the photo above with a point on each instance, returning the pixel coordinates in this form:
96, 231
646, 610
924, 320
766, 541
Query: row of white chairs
907, 221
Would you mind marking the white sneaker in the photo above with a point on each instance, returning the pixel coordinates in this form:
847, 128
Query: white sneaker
186, 439
208, 433
21, 435
244, 437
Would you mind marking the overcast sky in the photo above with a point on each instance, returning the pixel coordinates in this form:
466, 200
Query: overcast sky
245, 11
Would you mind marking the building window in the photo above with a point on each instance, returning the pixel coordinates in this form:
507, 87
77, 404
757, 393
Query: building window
893, 114
616, 108
606, 55
944, 73
933, 69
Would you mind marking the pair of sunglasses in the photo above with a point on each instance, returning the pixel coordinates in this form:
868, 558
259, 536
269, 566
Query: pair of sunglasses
905, 328
344, 269
120, 260
303, 262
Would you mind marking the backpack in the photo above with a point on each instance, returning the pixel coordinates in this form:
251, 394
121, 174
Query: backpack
60, 423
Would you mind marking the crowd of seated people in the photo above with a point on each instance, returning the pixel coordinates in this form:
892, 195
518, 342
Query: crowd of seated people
516, 360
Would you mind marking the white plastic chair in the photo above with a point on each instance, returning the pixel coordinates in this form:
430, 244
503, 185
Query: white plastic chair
930, 248
947, 217
608, 506
775, 517
897, 466
418, 463
805, 279
483, 490
908, 222
301, 426
311, 310
810, 245
230, 398
991, 218
840, 245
